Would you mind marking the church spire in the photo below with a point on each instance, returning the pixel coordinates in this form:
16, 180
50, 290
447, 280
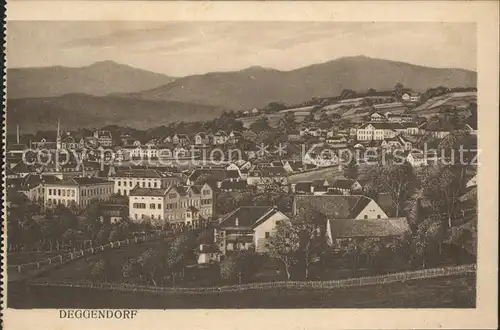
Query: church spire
58, 141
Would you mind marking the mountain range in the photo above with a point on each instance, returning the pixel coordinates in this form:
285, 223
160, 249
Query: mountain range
256, 86
98, 79
110, 92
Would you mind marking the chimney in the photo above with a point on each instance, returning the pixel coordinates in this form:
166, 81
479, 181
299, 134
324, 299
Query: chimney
237, 222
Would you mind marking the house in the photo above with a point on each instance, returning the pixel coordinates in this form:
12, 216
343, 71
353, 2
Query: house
472, 182
340, 207
377, 117
114, 212
220, 138
321, 156
228, 185
339, 232
33, 186
293, 166
207, 254
410, 97
104, 138
70, 143
177, 205
267, 175
77, 191
416, 158
399, 118
336, 140
397, 142
147, 204
201, 138
248, 226
249, 135
213, 175
255, 111
189, 205
180, 139
316, 132
347, 186
234, 137
378, 131
124, 180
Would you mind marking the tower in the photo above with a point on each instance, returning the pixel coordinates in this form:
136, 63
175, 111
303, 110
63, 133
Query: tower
58, 138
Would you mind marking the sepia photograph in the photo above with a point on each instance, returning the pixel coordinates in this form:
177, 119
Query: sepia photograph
166, 165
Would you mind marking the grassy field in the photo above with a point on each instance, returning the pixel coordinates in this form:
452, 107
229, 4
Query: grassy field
444, 292
81, 269
329, 173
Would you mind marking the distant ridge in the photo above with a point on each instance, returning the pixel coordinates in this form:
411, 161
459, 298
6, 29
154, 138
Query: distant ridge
257, 86
98, 79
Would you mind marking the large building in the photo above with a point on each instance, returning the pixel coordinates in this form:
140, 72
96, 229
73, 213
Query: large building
77, 192
104, 138
379, 131
126, 180
175, 204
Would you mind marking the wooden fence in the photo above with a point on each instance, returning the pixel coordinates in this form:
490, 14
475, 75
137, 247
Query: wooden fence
293, 285
15, 272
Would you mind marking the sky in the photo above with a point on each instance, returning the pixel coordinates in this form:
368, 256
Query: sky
185, 48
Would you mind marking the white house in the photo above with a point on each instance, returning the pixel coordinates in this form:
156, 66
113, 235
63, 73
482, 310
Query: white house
248, 226
207, 254
347, 186
416, 159
377, 117
378, 131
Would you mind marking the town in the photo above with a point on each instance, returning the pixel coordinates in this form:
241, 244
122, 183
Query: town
353, 185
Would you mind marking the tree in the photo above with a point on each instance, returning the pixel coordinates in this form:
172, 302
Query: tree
131, 271
150, 262
239, 266
308, 224
204, 178
347, 94
398, 90
177, 254
442, 188
395, 179
284, 245
102, 270
103, 235
352, 251
260, 125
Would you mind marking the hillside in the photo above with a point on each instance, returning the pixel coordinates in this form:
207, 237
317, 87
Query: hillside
98, 79
256, 86
80, 110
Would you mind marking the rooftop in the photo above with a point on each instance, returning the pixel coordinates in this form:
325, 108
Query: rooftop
333, 206
148, 191
345, 228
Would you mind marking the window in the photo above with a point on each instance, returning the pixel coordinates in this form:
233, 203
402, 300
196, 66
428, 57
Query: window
152, 206
278, 222
366, 217
155, 184
58, 192
119, 192
267, 234
119, 183
159, 206
378, 216
50, 191
149, 184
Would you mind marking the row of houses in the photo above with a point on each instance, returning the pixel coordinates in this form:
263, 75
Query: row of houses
346, 218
